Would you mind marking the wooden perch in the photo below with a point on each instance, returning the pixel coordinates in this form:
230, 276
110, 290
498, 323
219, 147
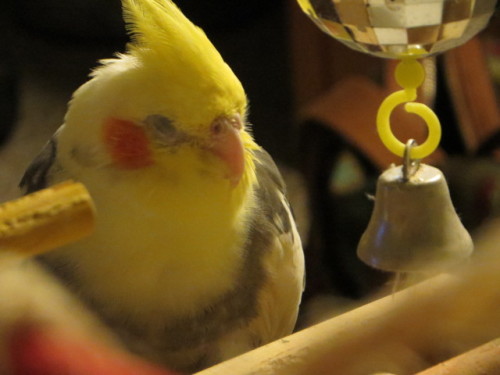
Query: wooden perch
482, 360
46, 219
409, 332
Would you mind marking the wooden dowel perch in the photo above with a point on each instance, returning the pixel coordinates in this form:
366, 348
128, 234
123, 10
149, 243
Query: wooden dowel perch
484, 359
46, 219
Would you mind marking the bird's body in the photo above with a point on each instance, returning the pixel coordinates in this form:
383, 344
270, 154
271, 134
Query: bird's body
195, 257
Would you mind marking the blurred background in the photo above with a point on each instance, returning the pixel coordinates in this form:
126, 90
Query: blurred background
312, 105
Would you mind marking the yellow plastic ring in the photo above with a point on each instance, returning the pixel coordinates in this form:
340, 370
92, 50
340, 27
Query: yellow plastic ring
430, 118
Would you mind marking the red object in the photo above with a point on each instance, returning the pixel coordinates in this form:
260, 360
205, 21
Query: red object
127, 143
40, 351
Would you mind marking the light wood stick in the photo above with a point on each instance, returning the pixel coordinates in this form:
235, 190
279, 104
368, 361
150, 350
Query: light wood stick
44, 220
484, 359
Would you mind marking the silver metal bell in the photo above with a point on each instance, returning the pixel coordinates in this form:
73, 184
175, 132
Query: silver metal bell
414, 226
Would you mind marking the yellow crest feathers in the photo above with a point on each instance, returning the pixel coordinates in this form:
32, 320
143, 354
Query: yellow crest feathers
180, 52
156, 24
160, 29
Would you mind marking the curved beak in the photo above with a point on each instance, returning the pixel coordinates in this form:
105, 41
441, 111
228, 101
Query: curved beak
225, 143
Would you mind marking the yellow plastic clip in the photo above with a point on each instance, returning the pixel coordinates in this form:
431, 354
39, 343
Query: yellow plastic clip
409, 75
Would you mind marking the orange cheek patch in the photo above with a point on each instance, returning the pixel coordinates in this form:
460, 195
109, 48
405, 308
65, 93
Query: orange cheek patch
127, 144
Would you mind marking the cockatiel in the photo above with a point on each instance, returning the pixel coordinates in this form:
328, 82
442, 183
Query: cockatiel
196, 257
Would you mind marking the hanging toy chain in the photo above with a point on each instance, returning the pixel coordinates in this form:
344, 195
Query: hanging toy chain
409, 75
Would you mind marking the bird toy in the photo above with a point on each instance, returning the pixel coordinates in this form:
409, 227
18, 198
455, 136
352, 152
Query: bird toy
414, 226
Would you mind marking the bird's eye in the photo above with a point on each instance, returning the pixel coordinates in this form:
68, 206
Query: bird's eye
235, 122
216, 128
222, 124
163, 129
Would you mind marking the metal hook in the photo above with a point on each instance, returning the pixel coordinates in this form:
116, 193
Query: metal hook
410, 166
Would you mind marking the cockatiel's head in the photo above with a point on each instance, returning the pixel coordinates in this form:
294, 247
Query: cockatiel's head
170, 104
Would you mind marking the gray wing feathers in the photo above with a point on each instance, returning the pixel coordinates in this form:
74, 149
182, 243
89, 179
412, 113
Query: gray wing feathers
271, 191
281, 248
272, 194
